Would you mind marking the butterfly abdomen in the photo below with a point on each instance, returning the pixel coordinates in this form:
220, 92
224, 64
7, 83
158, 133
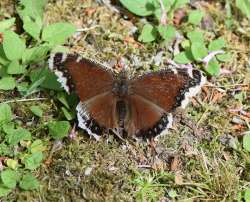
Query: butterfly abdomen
121, 111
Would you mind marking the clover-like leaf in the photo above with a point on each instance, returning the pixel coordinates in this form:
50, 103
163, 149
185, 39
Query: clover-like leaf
148, 33
29, 182
9, 178
59, 129
7, 83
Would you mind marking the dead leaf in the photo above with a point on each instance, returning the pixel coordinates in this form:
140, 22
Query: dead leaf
175, 164
178, 178
89, 11
179, 15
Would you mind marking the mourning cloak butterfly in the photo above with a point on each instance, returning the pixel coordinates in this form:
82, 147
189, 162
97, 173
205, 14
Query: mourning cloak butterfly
138, 107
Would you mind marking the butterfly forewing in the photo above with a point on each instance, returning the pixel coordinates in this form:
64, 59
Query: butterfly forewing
79, 74
167, 88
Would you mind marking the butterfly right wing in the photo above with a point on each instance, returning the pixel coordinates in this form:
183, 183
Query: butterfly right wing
155, 95
92, 83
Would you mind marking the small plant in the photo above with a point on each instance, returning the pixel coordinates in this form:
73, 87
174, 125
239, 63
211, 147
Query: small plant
195, 49
162, 11
151, 187
18, 54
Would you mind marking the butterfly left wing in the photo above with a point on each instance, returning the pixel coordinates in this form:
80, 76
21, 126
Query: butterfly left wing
86, 77
92, 82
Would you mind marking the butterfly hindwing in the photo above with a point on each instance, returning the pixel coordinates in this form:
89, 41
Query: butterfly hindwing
146, 119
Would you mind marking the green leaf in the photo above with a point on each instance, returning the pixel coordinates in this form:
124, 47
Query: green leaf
5, 150
148, 33
34, 86
22, 87
35, 54
15, 68
5, 113
217, 44
195, 36
32, 27
15, 136
172, 193
213, 67
185, 44
50, 79
7, 83
61, 96
59, 129
184, 57
195, 17
11, 163
33, 9
57, 33
3, 59
37, 110
8, 127
167, 32
180, 3
9, 178
6, 24
4, 191
199, 51
224, 57
69, 115
246, 142
247, 195
33, 161
13, 46
139, 7
29, 182
37, 146
240, 96
244, 6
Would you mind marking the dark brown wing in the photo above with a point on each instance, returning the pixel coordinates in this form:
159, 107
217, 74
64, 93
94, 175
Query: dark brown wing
78, 74
93, 84
168, 88
155, 95
145, 118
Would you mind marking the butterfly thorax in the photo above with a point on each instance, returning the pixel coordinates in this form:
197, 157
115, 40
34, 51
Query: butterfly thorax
120, 86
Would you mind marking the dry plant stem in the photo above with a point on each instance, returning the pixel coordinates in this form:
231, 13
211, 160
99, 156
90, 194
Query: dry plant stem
87, 29
23, 100
163, 20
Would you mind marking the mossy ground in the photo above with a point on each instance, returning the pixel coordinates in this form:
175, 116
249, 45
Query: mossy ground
194, 165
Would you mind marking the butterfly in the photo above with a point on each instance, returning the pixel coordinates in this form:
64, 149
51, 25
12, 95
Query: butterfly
138, 107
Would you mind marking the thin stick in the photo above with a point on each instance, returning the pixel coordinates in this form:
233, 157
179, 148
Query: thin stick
24, 100
87, 29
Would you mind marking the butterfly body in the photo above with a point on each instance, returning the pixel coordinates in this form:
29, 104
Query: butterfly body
138, 106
